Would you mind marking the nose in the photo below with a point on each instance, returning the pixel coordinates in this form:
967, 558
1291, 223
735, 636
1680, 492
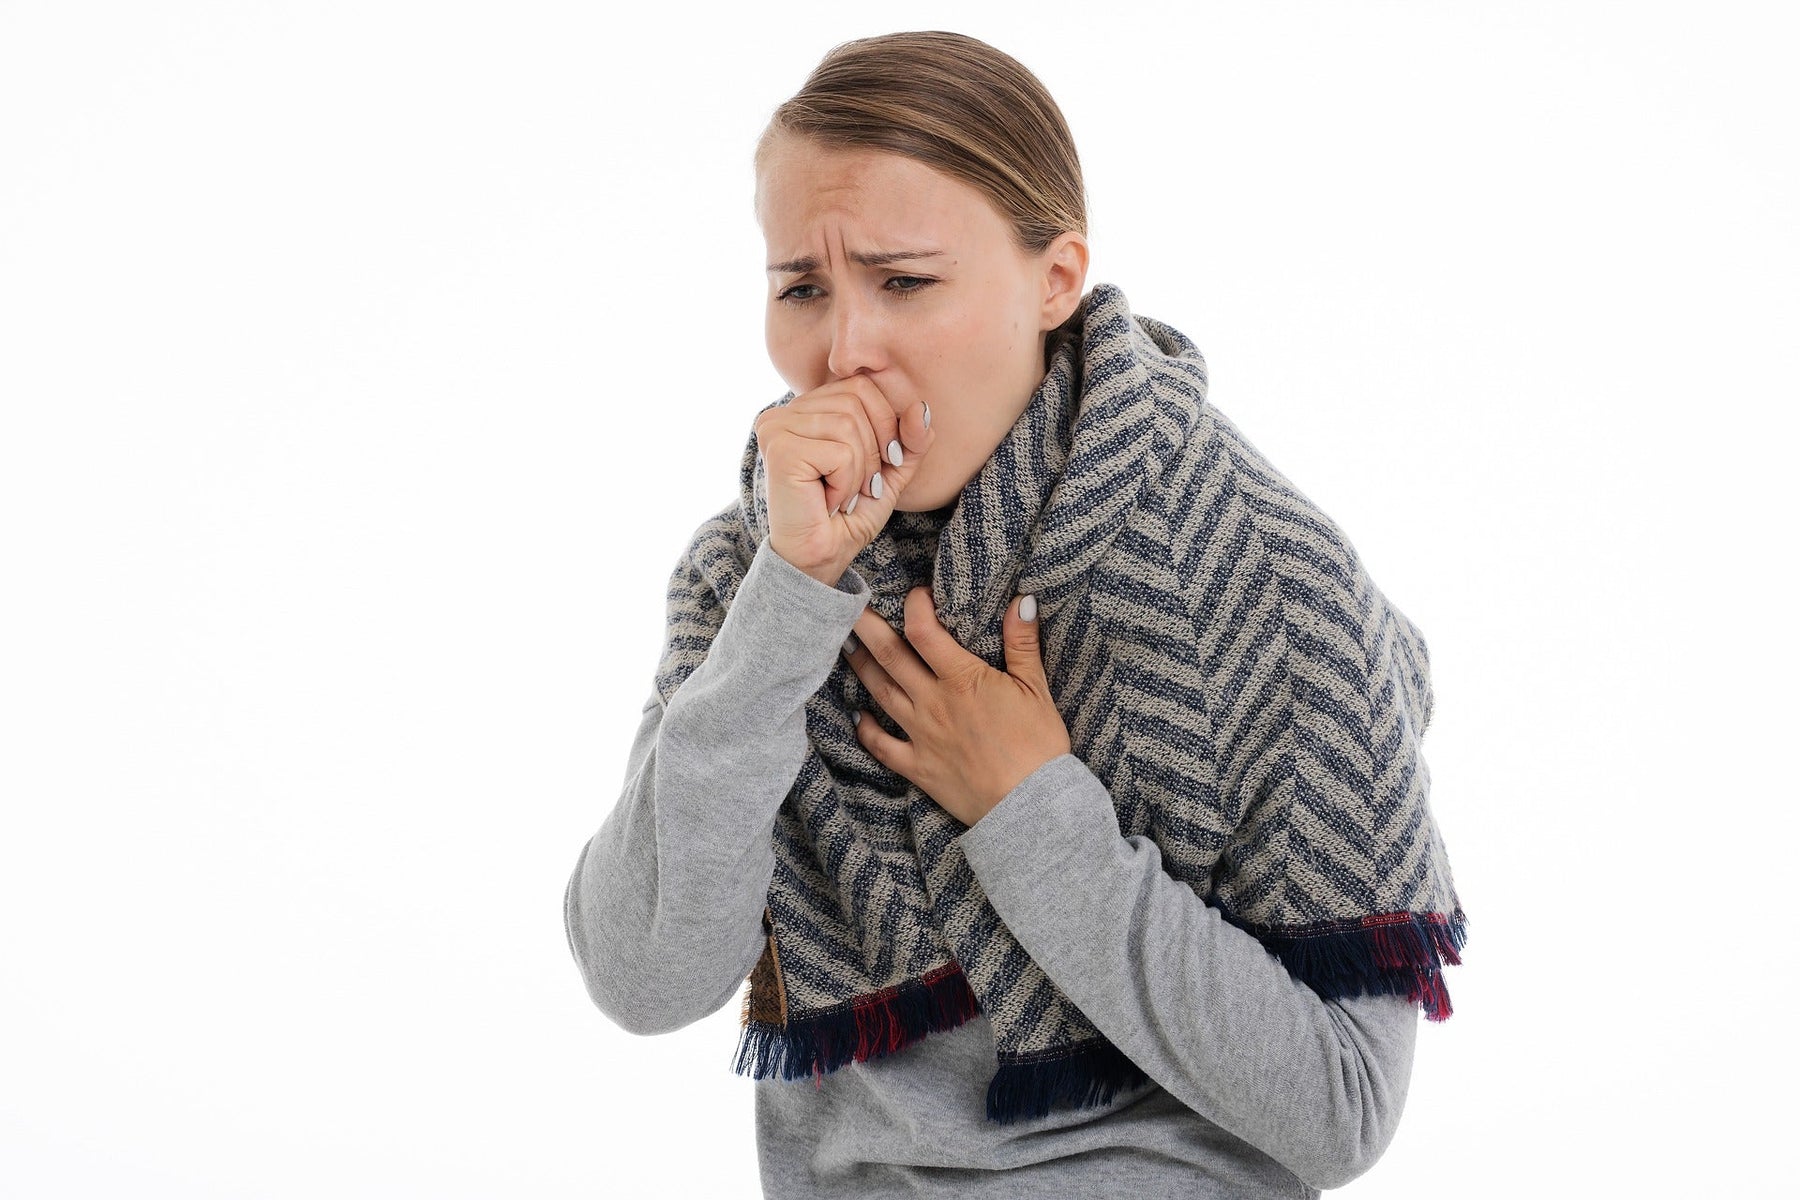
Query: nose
856, 337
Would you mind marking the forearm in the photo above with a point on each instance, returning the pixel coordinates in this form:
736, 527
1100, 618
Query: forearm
664, 907
1208, 1013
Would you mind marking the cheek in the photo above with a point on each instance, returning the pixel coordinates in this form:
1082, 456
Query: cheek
800, 364
979, 341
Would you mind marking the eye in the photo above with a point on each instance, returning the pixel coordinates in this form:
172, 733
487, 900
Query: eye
920, 282
789, 296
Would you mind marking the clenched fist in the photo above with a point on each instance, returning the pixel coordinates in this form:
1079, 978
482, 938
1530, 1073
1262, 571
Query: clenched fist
837, 459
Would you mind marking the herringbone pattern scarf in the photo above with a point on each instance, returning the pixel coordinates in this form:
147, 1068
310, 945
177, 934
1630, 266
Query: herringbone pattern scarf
1224, 665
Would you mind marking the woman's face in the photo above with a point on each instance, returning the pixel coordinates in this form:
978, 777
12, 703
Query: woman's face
882, 265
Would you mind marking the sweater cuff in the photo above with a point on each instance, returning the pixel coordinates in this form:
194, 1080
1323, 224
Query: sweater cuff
1057, 823
806, 593
785, 628
780, 603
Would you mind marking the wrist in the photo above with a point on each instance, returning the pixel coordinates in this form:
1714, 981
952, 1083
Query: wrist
826, 573
828, 576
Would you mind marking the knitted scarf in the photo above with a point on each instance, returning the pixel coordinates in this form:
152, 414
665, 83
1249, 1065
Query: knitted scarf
1223, 663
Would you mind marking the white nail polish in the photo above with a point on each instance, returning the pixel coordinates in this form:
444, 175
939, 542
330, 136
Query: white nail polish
875, 485
927, 414
895, 455
851, 507
1028, 608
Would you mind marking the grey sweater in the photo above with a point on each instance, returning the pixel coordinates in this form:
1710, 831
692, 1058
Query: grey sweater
1258, 1086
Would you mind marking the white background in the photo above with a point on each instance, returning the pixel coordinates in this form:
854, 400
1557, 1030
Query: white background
366, 365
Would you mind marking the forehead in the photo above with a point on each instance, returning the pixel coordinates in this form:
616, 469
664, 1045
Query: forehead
802, 184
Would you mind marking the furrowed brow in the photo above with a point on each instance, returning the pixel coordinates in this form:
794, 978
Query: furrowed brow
879, 258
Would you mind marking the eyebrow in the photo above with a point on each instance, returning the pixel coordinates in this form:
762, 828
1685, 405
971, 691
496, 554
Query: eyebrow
879, 258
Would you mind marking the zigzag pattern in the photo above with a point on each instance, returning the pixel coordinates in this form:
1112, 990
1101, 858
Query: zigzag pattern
1223, 663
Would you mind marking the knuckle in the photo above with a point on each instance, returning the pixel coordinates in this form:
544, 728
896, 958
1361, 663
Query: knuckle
890, 656
961, 683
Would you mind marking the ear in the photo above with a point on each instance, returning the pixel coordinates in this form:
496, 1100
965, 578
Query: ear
1064, 263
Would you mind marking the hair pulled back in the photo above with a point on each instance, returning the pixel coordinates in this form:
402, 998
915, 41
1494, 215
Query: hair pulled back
957, 105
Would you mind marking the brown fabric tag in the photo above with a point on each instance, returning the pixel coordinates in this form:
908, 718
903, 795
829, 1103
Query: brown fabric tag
766, 1002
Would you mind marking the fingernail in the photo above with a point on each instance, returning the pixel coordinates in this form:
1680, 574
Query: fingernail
875, 485
927, 414
894, 453
856, 717
1028, 608
851, 507
850, 644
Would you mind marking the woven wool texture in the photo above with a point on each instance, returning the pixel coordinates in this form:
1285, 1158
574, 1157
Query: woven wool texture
1224, 664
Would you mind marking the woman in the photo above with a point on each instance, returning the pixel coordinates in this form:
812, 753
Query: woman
1099, 860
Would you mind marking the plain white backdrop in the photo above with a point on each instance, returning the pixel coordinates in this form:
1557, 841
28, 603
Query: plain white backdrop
365, 367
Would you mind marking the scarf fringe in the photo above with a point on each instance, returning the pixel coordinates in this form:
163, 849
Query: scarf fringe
1385, 954
867, 1027
1088, 1077
877, 1025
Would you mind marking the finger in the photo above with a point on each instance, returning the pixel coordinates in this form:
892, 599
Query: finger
903, 436
875, 679
887, 666
821, 460
851, 429
913, 442
1024, 653
940, 652
842, 412
915, 426
884, 423
857, 404
896, 754
910, 425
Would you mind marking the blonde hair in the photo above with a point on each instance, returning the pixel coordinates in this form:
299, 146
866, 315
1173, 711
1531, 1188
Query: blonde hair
955, 104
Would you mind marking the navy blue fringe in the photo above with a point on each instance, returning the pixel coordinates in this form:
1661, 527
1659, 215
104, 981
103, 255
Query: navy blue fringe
1085, 1076
857, 1030
1385, 954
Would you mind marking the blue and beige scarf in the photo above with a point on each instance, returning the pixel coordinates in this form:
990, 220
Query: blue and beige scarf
1224, 664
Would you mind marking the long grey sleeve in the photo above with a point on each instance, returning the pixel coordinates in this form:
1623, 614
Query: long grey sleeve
664, 908
1209, 1014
